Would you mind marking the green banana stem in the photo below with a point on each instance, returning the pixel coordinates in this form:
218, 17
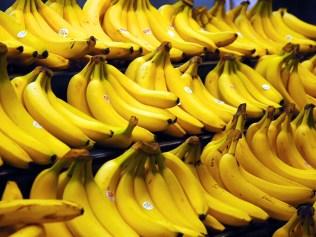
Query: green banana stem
309, 116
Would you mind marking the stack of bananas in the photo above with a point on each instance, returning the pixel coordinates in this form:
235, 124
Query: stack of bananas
147, 193
259, 28
293, 79
233, 82
197, 108
302, 223
27, 217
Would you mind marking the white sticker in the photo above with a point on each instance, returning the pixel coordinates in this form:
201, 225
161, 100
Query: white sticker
63, 32
107, 99
220, 102
266, 87
147, 31
148, 206
171, 31
122, 30
188, 90
36, 124
21, 34
110, 195
289, 38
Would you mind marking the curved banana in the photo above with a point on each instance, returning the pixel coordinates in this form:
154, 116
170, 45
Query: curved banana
289, 194
161, 99
273, 131
263, 152
238, 185
304, 135
45, 187
188, 100
30, 230
87, 224
307, 79
76, 90
104, 209
188, 182
30, 211
97, 98
47, 115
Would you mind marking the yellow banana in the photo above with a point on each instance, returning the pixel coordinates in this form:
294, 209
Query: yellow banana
30, 230
11, 192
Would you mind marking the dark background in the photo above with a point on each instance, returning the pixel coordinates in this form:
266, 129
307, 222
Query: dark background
304, 9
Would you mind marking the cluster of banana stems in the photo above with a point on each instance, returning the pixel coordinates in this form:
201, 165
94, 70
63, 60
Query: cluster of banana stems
302, 223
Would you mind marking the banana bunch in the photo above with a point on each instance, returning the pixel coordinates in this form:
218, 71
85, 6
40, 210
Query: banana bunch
141, 186
234, 83
34, 24
107, 94
259, 27
302, 223
252, 171
197, 108
148, 28
23, 140
291, 78
27, 217
87, 19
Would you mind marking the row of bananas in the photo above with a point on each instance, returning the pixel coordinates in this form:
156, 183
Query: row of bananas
27, 217
302, 223
259, 28
235, 179
293, 79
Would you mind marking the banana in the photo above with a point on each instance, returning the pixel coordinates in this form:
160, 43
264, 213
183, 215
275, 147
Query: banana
175, 130
86, 224
19, 83
230, 91
161, 99
264, 153
47, 115
13, 154
30, 230
188, 182
163, 200
273, 75
94, 129
304, 135
307, 79
104, 209
253, 165
185, 121
274, 207
132, 68
274, 130
225, 111
149, 117
16, 11
77, 86
63, 180
117, 30
142, 223
54, 61
97, 98
245, 27
181, 200
286, 148
11, 192
289, 194
182, 26
143, 197
189, 101
296, 89
30, 211
260, 83
211, 79
304, 28
164, 31
57, 6
212, 187
211, 222
16, 112
45, 186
